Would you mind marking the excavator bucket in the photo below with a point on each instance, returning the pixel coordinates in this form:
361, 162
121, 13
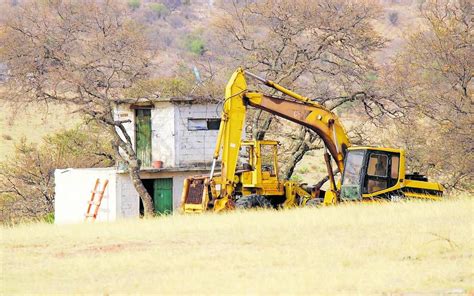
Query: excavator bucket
195, 195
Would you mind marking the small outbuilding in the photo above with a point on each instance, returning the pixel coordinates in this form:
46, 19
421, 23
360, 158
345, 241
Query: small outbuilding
174, 138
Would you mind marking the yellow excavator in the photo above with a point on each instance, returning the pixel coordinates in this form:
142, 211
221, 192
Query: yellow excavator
367, 173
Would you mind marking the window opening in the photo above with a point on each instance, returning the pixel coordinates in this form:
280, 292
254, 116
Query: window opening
378, 164
267, 159
353, 167
395, 165
203, 124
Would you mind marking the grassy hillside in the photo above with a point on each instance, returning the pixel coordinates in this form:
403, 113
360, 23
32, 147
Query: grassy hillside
32, 123
402, 248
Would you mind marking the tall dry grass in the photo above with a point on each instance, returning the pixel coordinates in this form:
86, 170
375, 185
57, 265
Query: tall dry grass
417, 247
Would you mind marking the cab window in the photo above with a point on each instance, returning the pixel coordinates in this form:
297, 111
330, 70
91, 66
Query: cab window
377, 170
267, 153
395, 165
378, 164
352, 167
382, 172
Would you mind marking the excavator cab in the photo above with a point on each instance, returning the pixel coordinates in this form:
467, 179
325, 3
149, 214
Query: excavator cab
261, 177
379, 173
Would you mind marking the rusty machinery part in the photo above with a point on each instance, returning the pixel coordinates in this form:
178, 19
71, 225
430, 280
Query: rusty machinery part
195, 192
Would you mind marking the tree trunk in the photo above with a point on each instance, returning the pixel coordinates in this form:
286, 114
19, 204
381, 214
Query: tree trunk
134, 170
259, 132
133, 166
296, 153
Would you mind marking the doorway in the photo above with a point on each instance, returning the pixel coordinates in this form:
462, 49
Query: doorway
143, 136
161, 191
163, 196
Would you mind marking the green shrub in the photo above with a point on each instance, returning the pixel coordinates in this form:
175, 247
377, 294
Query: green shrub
159, 9
166, 87
195, 44
49, 218
134, 4
372, 76
182, 84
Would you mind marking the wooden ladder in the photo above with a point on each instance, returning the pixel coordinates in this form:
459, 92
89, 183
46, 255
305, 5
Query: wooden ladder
96, 203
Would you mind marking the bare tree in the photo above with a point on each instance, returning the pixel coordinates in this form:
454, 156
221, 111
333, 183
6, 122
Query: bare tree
321, 48
84, 54
433, 78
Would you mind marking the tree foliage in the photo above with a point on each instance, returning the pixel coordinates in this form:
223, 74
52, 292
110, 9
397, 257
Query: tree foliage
84, 54
324, 49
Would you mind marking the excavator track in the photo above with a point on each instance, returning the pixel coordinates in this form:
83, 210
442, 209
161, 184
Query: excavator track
253, 201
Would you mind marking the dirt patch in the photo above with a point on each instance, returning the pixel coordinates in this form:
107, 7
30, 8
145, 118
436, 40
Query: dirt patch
109, 248
28, 246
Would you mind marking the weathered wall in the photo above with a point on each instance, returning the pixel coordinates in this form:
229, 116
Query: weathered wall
163, 133
74, 186
128, 201
172, 141
73, 191
194, 146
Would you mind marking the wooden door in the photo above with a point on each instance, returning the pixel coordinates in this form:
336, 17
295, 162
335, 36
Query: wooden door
143, 136
163, 196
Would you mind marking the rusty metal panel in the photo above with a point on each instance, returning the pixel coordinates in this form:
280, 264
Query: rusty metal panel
195, 192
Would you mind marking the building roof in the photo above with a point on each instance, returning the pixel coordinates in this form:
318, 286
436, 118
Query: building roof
184, 99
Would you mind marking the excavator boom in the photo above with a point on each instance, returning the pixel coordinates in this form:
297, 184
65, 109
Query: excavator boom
303, 111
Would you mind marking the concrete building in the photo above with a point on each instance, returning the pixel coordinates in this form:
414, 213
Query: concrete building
174, 138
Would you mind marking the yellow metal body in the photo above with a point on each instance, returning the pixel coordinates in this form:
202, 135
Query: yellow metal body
255, 178
411, 186
220, 189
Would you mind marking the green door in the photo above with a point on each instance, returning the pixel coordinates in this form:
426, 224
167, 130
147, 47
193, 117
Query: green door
163, 196
143, 136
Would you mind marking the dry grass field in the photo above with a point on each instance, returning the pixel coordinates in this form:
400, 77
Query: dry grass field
402, 248
32, 123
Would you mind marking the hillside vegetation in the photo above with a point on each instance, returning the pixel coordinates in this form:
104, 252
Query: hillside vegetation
417, 247
169, 29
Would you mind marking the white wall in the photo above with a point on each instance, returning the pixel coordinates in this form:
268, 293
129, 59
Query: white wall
194, 146
73, 190
163, 133
178, 181
172, 142
128, 200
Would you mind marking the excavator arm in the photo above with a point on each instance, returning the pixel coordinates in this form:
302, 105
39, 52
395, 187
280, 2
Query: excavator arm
229, 137
299, 109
